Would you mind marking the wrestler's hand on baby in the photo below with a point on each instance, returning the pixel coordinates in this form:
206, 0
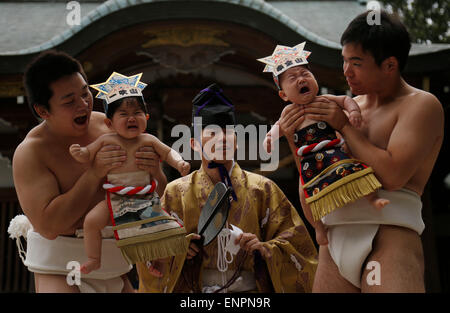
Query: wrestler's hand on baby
249, 242
193, 248
327, 111
291, 118
107, 158
183, 167
148, 160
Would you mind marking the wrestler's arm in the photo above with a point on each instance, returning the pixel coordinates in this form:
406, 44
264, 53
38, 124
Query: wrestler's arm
51, 212
416, 131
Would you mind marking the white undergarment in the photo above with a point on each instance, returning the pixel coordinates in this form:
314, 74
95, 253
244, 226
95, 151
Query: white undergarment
352, 228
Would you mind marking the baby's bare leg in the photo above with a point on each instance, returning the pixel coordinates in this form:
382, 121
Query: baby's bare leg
157, 267
377, 202
321, 232
94, 222
79, 153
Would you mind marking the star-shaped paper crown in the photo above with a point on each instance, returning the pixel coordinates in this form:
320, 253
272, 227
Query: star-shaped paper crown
284, 57
119, 86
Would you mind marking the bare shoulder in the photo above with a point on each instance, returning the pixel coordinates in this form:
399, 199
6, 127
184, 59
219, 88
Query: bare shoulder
146, 138
25, 152
98, 127
97, 123
30, 161
419, 104
419, 97
359, 99
97, 117
109, 139
32, 146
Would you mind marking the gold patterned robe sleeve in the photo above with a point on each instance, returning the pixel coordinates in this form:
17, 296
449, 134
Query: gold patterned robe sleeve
292, 260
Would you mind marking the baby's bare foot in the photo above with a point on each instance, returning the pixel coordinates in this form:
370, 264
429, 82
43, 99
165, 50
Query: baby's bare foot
156, 268
380, 203
90, 265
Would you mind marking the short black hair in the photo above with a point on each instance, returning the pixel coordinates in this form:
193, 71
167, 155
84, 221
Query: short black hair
390, 38
113, 106
45, 69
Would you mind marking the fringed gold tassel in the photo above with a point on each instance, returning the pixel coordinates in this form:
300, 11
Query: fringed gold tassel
345, 193
147, 251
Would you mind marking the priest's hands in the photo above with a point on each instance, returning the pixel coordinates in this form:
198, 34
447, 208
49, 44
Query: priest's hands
249, 242
193, 248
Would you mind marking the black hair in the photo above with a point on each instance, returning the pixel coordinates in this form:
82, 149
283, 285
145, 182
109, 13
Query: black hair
389, 38
45, 69
111, 108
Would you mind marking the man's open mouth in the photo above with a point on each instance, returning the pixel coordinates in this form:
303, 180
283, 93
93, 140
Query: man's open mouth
81, 120
304, 90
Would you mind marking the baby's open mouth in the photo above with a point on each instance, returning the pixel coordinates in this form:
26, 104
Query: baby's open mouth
80, 120
132, 127
304, 89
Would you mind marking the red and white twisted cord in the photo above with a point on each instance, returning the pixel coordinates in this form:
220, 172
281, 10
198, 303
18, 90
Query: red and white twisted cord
318, 146
123, 190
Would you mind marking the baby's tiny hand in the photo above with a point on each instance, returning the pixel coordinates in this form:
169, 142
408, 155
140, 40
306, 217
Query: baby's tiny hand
184, 168
355, 119
267, 144
81, 154
75, 149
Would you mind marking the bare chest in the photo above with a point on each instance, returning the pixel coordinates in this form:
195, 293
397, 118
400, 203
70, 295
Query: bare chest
130, 147
66, 169
378, 125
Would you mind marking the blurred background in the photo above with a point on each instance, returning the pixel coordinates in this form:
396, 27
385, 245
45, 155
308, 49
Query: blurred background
183, 46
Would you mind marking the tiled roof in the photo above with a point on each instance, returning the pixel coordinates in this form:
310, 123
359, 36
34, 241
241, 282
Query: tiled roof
30, 27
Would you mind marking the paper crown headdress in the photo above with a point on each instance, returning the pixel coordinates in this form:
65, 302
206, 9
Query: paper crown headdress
283, 58
119, 86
